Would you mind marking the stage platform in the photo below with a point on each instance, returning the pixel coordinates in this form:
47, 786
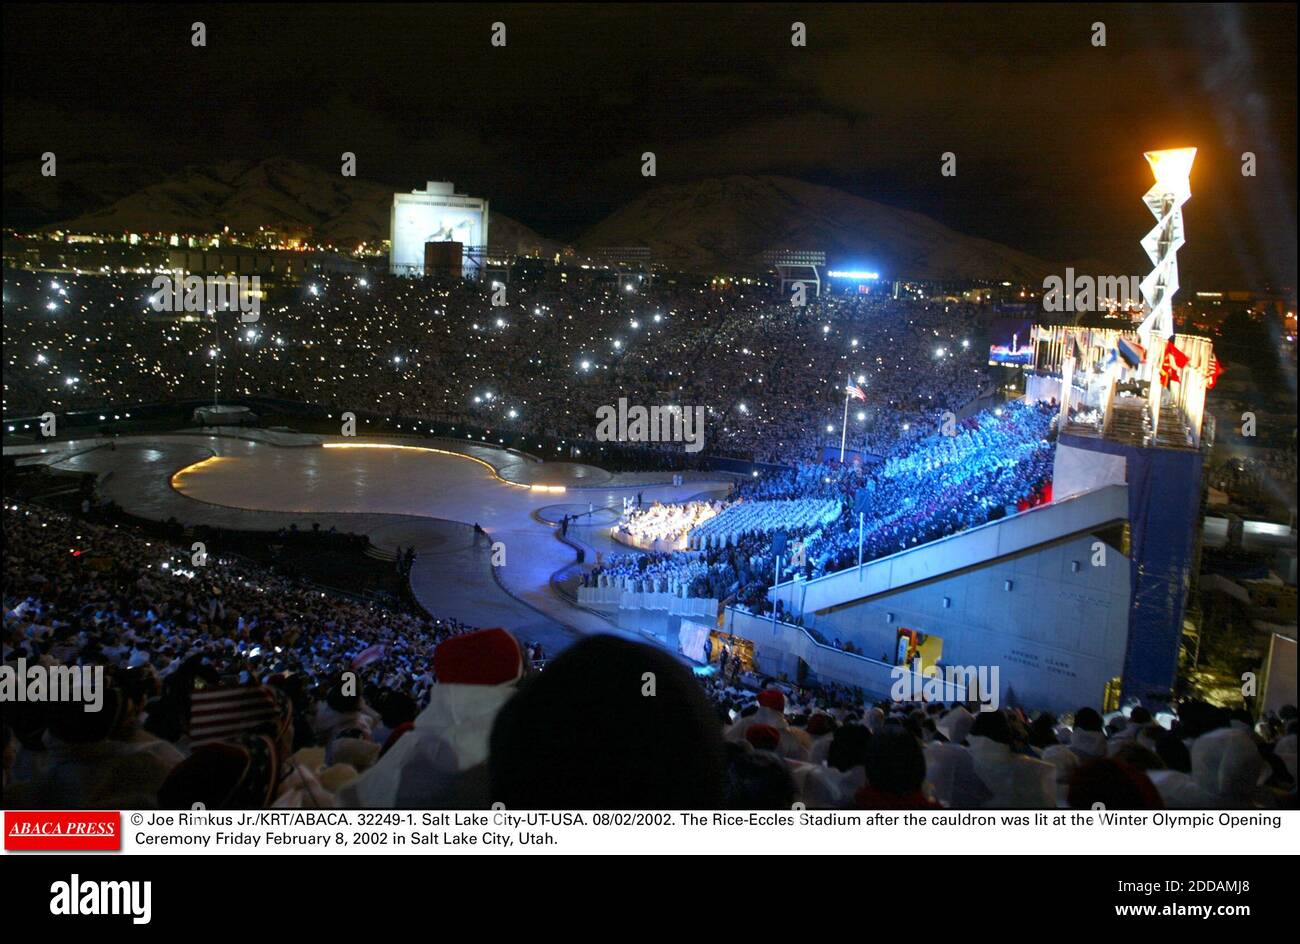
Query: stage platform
422, 493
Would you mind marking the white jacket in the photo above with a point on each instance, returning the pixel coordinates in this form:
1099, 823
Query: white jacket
427, 765
1015, 780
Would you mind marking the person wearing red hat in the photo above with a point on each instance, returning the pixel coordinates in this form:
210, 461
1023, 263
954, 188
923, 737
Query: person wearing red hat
441, 761
771, 712
763, 737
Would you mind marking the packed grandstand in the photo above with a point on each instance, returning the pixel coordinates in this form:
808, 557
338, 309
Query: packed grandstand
771, 377
449, 715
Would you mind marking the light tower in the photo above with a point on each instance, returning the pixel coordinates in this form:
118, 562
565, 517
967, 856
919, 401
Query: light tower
1165, 199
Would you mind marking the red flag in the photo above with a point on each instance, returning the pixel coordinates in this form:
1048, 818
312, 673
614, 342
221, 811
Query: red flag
855, 392
1212, 373
1173, 361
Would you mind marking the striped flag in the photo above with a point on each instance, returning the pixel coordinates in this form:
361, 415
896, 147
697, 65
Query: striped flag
1132, 352
856, 392
224, 712
1212, 373
368, 655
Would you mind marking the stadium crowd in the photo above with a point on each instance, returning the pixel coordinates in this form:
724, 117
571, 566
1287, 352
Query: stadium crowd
771, 376
440, 716
994, 463
338, 703
86, 594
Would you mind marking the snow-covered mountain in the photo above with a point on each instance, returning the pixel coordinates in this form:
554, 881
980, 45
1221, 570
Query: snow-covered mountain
275, 193
716, 224
32, 200
724, 221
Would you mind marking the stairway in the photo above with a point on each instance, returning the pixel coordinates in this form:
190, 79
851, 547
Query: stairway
1127, 422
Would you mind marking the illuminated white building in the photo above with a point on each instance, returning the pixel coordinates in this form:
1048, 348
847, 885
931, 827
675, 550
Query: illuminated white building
436, 214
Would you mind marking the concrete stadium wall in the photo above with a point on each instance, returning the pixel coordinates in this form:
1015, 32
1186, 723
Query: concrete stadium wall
1057, 636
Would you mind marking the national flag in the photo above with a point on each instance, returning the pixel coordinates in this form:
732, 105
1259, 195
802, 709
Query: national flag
1173, 361
856, 392
368, 655
1212, 372
1168, 370
1132, 352
219, 713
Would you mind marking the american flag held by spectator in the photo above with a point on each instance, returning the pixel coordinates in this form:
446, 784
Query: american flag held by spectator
220, 713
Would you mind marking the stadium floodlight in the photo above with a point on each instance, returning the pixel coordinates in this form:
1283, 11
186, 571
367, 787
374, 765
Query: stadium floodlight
853, 274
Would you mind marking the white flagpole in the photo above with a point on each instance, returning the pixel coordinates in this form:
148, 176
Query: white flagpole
844, 428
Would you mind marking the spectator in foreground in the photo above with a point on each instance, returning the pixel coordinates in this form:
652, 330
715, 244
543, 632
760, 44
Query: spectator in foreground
442, 761
610, 724
1110, 784
895, 773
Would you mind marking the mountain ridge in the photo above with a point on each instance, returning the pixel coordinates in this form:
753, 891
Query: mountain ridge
711, 224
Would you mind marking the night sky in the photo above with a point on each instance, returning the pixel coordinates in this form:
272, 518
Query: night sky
1048, 129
